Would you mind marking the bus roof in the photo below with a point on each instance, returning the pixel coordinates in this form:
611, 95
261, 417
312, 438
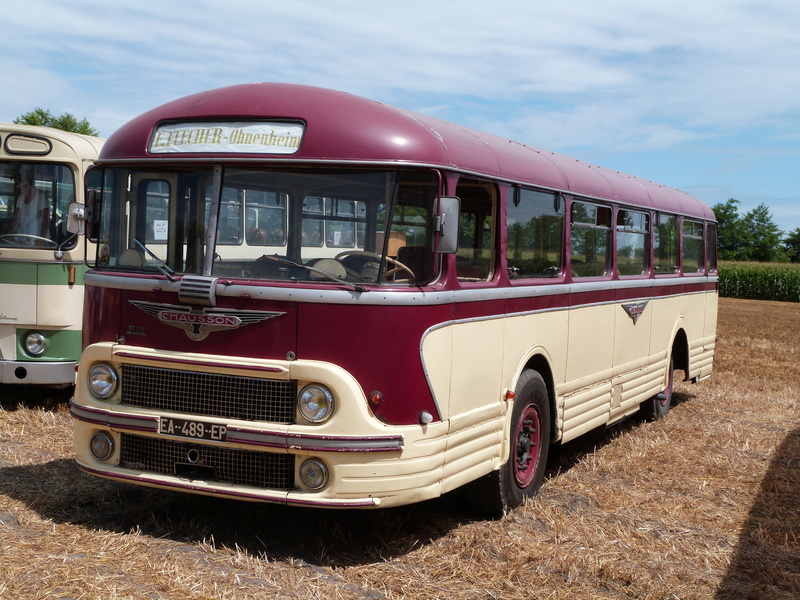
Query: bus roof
343, 127
66, 143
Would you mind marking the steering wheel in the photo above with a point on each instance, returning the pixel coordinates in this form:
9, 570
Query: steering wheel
30, 236
397, 266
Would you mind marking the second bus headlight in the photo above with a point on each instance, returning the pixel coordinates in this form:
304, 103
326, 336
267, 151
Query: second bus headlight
102, 380
35, 343
315, 403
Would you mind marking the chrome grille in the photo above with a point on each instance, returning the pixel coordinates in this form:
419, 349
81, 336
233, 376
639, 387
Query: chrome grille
209, 394
207, 463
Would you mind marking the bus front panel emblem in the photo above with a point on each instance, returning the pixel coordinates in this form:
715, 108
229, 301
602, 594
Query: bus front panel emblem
198, 323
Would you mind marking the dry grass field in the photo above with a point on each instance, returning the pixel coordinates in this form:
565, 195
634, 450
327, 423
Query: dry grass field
702, 504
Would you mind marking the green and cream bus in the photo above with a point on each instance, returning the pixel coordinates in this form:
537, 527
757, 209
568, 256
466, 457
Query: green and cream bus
41, 264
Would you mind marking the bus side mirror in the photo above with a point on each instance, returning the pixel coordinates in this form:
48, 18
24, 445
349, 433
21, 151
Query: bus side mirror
447, 224
75, 218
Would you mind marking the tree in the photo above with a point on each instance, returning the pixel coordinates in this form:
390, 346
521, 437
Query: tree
66, 122
732, 235
755, 236
764, 235
791, 245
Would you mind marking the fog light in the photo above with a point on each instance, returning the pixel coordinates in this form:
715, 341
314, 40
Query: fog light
35, 344
315, 403
313, 474
102, 445
102, 380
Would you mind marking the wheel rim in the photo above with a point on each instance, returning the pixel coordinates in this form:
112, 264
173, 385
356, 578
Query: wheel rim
527, 437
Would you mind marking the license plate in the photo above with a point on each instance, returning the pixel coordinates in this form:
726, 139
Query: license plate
196, 430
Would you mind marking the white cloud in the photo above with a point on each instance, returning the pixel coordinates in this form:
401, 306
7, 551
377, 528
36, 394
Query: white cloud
705, 63
606, 77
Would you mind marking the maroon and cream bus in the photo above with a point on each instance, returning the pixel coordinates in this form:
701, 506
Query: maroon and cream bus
306, 297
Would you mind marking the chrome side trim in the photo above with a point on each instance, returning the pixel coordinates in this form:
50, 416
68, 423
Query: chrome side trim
397, 296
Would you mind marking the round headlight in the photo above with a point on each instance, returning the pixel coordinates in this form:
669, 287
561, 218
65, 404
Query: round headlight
101, 445
314, 474
102, 380
315, 403
35, 344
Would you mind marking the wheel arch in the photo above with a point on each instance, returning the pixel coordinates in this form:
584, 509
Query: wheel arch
540, 363
680, 351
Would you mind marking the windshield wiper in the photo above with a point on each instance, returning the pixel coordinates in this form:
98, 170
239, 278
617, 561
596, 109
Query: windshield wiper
160, 264
285, 261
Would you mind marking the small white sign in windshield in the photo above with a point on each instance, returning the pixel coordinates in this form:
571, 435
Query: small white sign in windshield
236, 138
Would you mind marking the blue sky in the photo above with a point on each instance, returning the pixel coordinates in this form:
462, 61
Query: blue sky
703, 95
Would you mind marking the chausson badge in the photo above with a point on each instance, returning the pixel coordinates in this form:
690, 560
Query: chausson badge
635, 310
198, 323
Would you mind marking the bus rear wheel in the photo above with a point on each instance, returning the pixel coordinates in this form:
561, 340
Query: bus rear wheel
529, 444
659, 405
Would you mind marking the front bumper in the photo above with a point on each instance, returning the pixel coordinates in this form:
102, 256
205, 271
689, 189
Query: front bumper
61, 374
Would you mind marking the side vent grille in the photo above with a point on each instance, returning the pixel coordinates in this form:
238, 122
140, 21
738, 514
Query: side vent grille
198, 290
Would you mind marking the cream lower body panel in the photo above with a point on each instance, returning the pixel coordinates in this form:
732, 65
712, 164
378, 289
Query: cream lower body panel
369, 463
604, 364
701, 358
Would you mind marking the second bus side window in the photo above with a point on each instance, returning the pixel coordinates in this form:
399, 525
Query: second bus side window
475, 256
633, 242
535, 234
590, 240
665, 245
711, 248
692, 247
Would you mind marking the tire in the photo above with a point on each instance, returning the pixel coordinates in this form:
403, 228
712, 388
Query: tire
529, 441
658, 406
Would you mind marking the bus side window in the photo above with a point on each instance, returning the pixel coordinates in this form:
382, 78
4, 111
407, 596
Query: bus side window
475, 255
633, 242
590, 239
665, 244
692, 258
711, 248
535, 234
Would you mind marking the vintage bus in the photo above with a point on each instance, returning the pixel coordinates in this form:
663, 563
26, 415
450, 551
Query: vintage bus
430, 306
41, 263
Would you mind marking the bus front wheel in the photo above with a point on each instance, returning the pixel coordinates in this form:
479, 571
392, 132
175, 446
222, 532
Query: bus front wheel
529, 444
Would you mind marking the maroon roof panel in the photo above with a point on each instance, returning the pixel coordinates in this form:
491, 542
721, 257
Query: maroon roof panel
343, 127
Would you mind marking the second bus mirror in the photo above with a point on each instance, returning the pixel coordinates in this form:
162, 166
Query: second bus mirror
447, 224
75, 218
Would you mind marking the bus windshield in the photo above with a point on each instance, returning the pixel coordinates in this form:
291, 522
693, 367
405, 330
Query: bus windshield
34, 197
320, 225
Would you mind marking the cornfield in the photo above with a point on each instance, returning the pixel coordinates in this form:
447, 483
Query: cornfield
760, 281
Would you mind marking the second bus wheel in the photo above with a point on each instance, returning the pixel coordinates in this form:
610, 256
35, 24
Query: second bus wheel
529, 444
